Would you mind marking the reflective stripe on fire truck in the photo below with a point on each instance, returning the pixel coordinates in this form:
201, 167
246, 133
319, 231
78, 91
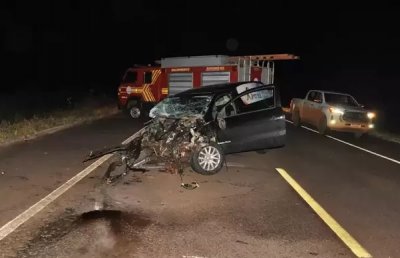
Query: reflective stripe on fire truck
147, 93
137, 90
164, 91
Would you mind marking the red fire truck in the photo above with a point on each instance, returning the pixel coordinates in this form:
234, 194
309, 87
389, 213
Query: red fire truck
142, 87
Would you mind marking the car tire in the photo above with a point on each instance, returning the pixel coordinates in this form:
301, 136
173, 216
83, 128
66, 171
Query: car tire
322, 125
296, 118
208, 160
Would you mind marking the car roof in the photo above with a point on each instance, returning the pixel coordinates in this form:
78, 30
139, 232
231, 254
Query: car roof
331, 92
214, 89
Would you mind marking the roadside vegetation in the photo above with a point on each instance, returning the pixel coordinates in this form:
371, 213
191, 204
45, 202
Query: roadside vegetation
24, 127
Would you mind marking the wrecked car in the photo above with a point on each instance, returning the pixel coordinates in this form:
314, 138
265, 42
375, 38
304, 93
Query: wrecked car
198, 127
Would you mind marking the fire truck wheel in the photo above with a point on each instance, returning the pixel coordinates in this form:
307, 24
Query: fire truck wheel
133, 109
134, 112
208, 160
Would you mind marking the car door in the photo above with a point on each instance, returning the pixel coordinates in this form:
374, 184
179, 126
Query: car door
307, 106
253, 120
314, 111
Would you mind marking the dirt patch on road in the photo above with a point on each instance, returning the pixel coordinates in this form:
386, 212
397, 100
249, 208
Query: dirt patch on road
92, 234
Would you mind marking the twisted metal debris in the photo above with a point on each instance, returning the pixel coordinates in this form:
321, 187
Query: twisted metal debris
167, 141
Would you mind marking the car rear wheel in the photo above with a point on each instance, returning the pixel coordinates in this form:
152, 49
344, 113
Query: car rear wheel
296, 118
208, 160
322, 125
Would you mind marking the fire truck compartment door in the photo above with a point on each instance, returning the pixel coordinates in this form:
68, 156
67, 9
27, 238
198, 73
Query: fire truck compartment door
179, 82
210, 78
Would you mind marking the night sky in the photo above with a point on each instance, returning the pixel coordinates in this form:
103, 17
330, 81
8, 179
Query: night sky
73, 44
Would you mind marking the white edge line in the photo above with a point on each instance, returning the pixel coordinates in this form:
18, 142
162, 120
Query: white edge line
360, 148
305, 127
352, 145
309, 129
12, 225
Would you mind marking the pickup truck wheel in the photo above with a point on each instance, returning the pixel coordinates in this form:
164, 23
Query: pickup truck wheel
358, 135
296, 118
208, 160
322, 125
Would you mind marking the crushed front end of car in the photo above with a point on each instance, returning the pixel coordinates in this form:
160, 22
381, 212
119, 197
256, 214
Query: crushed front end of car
171, 143
174, 141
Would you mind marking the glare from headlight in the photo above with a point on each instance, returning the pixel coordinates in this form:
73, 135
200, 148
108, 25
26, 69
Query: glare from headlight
336, 111
370, 126
371, 115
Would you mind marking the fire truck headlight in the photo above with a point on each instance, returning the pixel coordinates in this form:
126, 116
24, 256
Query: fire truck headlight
128, 90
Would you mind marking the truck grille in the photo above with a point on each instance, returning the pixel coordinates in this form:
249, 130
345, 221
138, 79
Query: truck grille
355, 117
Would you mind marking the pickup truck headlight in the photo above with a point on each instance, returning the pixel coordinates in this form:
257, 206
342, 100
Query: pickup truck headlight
336, 111
371, 115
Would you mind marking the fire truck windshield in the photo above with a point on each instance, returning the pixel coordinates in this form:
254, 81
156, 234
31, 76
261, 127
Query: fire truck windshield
178, 107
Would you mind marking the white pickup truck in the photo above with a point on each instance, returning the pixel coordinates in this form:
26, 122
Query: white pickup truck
332, 110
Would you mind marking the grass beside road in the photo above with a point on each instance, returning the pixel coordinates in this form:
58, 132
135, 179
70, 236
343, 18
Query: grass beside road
11, 131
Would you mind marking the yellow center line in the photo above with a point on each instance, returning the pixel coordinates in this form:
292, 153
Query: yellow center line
347, 239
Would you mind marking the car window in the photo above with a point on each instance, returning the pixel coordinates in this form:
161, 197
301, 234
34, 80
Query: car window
182, 106
130, 77
311, 96
318, 97
252, 102
332, 98
219, 104
148, 77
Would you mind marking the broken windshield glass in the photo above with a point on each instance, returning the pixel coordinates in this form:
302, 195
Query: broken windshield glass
178, 107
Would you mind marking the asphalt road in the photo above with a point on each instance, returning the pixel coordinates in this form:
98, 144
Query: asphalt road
247, 210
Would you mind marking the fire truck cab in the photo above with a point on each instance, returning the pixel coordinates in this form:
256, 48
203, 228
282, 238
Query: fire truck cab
143, 86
